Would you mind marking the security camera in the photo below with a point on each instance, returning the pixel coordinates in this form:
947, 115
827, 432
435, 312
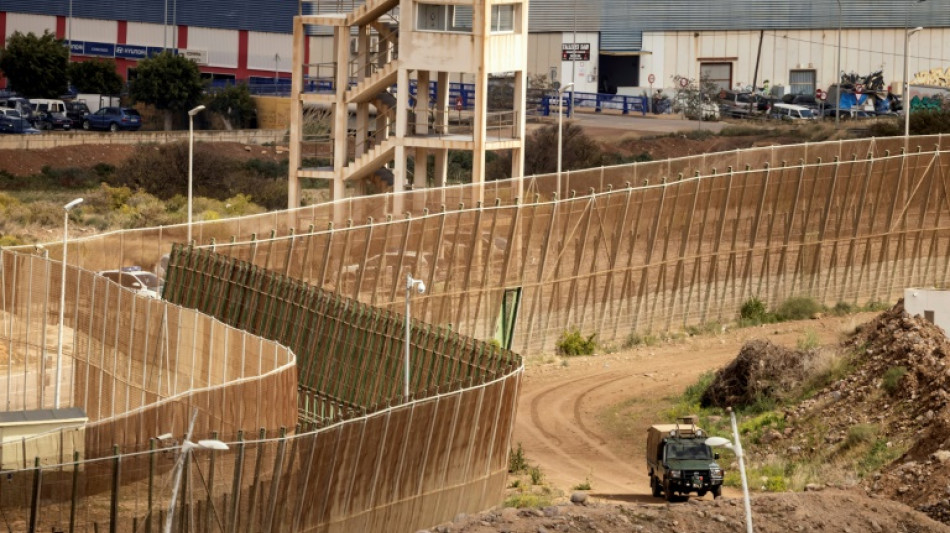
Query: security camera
421, 288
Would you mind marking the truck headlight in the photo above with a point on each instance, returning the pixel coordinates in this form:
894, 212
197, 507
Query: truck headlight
716, 472
675, 473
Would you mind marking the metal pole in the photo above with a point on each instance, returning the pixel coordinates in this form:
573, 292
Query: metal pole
405, 385
838, 71
62, 301
907, 34
191, 159
574, 58
191, 167
165, 29
737, 447
69, 32
560, 126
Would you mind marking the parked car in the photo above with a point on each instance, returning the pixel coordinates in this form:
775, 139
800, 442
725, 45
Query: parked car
792, 112
741, 104
136, 279
113, 119
77, 110
807, 100
11, 121
20, 104
51, 120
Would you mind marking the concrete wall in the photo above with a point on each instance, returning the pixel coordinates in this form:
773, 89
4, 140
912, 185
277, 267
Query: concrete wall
39, 142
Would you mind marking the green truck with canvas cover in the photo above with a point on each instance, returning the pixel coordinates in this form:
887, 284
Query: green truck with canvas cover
680, 462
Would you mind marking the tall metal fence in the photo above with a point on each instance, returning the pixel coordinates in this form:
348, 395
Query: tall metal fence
350, 355
137, 366
665, 255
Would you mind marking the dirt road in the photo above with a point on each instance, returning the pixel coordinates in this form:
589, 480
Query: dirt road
586, 418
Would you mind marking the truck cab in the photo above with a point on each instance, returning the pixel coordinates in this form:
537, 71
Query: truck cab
680, 462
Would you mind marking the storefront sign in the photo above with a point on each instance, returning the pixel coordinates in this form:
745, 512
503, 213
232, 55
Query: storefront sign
575, 52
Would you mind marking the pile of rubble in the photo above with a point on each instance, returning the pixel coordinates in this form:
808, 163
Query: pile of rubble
761, 371
900, 384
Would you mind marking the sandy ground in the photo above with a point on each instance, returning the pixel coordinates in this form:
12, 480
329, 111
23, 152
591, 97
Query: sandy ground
586, 417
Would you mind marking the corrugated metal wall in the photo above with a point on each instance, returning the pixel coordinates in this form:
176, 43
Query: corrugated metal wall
261, 48
621, 21
222, 45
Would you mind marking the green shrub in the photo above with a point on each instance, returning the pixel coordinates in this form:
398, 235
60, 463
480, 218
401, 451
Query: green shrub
842, 308
886, 128
859, 434
573, 343
753, 312
584, 485
892, 378
694, 392
527, 500
809, 341
536, 475
798, 308
517, 462
877, 456
705, 328
10, 240
636, 339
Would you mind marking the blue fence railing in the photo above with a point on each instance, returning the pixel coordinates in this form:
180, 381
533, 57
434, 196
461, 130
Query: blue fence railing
624, 103
462, 96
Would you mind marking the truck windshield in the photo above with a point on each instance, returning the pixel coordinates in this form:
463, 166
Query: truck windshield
688, 450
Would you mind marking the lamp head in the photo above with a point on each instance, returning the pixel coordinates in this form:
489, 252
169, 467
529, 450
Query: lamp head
915, 30
716, 442
196, 110
72, 204
421, 287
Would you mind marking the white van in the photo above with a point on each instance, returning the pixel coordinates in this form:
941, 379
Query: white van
792, 112
44, 105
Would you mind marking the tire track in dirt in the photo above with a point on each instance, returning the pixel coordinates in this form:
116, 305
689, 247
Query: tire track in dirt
560, 424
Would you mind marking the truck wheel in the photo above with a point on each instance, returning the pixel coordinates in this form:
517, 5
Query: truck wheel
667, 492
701, 493
655, 487
113, 127
86, 126
717, 492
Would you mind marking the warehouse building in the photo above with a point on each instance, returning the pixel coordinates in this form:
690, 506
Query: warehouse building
622, 46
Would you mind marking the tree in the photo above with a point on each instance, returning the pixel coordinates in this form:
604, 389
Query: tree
579, 151
35, 66
168, 82
235, 104
98, 76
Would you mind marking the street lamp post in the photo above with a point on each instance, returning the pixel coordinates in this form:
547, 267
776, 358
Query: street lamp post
560, 127
62, 301
191, 159
907, 34
736, 446
69, 32
838, 71
420, 286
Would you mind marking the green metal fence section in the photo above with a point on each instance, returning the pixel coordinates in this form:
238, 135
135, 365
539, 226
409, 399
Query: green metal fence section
350, 355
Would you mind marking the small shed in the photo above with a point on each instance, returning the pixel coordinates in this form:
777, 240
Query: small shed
933, 304
50, 434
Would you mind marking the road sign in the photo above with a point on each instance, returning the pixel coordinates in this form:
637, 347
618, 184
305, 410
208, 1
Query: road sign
458, 103
684, 82
819, 94
858, 88
575, 52
651, 78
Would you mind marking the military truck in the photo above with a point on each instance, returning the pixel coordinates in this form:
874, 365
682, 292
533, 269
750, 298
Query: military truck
680, 462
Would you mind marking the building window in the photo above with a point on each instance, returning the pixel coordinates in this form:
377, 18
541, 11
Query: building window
437, 17
801, 82
503, 18
718, 74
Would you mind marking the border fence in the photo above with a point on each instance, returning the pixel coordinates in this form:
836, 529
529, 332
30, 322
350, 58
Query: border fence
291, 353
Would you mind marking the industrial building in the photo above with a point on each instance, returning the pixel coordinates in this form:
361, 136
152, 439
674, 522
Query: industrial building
599, 45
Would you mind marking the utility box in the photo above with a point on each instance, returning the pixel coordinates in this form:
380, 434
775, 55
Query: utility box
933, 304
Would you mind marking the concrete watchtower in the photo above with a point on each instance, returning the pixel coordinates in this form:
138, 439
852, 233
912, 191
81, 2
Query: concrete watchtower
383, 120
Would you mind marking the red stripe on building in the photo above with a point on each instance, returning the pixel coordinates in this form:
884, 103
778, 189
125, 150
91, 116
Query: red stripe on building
60, 27
241, 74
121, 37
3, 41
182, 37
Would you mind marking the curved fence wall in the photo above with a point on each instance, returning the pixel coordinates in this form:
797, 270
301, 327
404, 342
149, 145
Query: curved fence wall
138, 367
